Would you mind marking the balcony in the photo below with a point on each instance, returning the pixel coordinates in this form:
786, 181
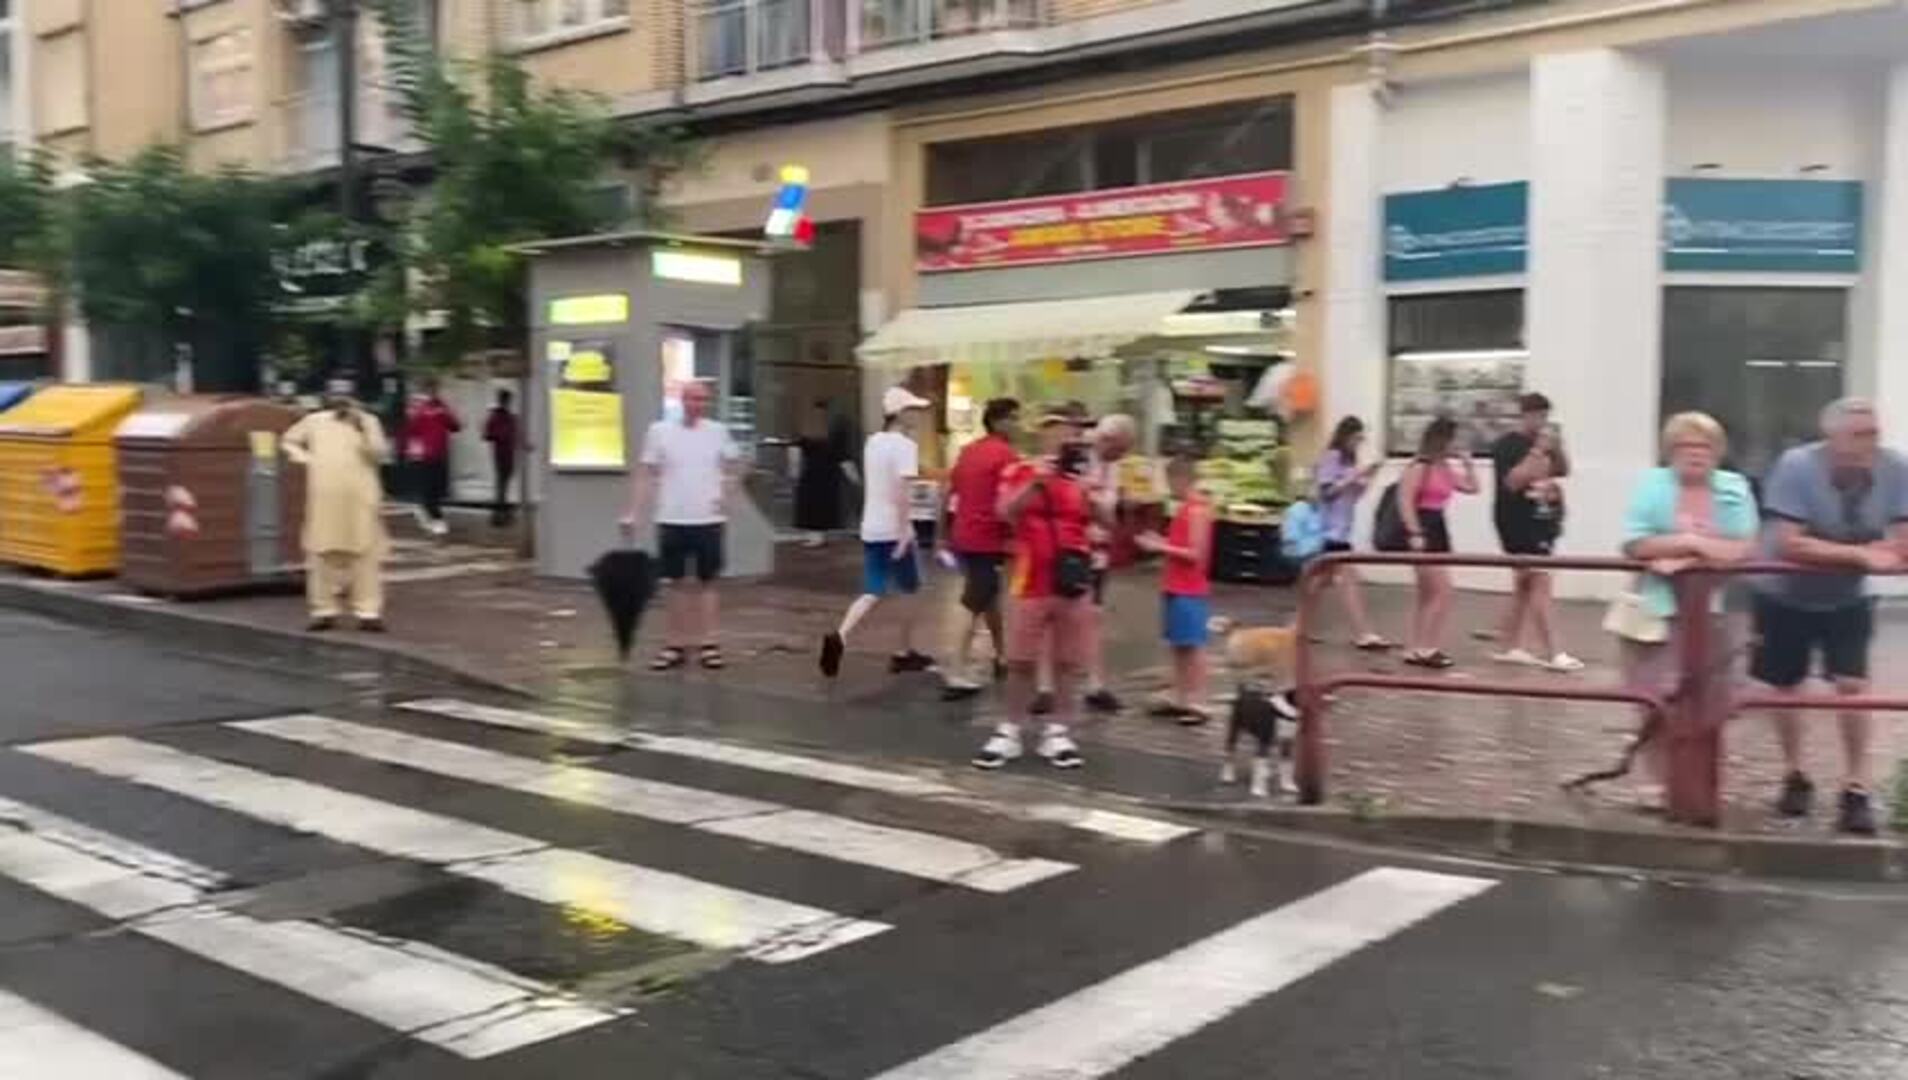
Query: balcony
748, 37
805, 40
308, 123
886, 23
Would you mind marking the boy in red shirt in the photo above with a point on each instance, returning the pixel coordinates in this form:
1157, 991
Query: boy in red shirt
1051, 606
979, 537
1185, 583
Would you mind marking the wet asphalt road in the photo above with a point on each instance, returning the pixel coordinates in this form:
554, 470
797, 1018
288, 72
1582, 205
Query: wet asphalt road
627, 901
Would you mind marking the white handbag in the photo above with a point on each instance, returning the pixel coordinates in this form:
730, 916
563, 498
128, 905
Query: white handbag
1631, 619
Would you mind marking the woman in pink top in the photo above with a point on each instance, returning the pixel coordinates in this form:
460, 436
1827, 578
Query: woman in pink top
1423, 493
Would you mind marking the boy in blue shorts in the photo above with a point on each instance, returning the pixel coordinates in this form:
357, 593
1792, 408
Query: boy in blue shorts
1185, 583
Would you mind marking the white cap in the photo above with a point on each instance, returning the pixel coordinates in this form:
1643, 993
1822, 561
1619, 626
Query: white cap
899, 399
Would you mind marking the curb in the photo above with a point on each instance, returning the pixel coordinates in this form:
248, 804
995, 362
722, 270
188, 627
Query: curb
1689, 852
238, 641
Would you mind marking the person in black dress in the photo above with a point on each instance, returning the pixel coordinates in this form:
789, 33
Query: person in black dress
818, 501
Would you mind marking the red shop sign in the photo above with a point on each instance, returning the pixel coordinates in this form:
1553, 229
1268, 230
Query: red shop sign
1196, 215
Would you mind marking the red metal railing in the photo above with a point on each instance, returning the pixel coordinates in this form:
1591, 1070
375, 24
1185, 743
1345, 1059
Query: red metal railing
1692, 740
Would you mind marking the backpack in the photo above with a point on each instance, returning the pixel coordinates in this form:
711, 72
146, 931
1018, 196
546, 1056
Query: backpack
1302, 532
1387, 525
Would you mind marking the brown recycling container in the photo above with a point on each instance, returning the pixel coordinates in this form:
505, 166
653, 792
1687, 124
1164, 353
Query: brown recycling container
207, 502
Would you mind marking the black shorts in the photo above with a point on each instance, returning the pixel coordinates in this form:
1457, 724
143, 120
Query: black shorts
677, 545
1437, 534
980, 585
1788, 637
1521, 534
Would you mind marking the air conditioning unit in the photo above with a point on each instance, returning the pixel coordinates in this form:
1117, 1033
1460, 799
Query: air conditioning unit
303, 12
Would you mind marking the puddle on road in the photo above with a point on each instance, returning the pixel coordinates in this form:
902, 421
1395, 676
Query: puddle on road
532, 939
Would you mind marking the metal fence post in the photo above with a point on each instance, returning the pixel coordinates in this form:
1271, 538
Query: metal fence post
1308, 765
1694, 740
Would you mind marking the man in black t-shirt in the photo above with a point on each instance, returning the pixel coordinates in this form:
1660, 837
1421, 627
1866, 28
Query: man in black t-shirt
1528, 511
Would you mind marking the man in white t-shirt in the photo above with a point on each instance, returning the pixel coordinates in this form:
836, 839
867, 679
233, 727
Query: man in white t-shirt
684, 485
889, 556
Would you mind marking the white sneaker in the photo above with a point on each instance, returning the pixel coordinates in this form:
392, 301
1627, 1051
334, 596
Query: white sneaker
1000, 748
1564, 663
440, 528
1520, 657
1060, 750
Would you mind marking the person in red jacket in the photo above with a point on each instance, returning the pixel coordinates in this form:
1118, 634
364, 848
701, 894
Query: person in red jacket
428, 427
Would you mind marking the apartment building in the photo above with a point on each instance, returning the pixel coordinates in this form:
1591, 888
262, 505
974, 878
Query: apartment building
1428, 205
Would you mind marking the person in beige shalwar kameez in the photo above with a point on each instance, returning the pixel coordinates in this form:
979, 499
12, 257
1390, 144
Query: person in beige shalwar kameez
341, 449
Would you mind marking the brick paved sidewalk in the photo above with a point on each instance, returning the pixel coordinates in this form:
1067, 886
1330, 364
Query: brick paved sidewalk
474, 608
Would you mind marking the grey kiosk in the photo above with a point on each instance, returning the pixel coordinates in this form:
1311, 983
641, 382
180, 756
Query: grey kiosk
619, 322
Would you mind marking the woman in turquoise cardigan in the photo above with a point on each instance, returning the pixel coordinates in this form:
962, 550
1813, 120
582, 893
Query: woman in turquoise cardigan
1687, 513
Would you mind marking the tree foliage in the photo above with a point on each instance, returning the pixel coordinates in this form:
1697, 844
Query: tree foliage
177, 257
516, 162
30, 236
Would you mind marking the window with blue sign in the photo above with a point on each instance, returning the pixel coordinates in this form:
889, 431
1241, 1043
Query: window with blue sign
1458, 354
1763, 361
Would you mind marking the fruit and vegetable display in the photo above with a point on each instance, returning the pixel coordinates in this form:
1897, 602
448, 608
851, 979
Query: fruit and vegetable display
1249, 470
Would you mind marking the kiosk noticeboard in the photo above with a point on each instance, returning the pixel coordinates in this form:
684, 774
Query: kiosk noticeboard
586, 407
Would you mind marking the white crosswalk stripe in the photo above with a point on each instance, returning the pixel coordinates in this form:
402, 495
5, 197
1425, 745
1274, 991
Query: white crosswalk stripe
35, 1044
461, 1005
712, 916
1102, 1028
1109, 823
902, 851
475, 1008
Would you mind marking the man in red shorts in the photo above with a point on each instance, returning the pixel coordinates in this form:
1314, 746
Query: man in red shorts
1050, 603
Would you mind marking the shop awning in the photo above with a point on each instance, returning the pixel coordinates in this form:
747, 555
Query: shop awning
1087, 328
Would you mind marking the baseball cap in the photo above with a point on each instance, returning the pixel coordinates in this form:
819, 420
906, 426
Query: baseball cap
899, 399
1065, 412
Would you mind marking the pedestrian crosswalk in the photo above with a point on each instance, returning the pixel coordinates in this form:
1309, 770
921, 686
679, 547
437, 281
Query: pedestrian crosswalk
475, 798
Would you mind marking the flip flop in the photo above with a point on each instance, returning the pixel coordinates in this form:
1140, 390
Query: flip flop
710, 657
668, 659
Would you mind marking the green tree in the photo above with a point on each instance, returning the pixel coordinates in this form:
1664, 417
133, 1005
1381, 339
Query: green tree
163, 257
513, 162
30, 237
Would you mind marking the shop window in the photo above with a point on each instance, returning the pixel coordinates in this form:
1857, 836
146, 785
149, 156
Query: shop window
222, 68
1162, 148
1763, 361
1454, 354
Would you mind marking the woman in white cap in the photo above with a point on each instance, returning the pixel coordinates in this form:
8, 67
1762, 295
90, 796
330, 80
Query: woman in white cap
889, 561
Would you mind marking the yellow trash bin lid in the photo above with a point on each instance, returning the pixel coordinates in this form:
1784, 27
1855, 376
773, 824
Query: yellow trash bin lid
91, 411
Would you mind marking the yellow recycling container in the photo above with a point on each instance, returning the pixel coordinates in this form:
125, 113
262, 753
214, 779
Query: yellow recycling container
59, 479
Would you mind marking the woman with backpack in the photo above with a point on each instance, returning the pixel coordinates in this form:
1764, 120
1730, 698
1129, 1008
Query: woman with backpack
1338, 483
1440, 470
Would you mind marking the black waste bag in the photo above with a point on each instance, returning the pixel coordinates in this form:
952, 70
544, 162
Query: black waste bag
624, 581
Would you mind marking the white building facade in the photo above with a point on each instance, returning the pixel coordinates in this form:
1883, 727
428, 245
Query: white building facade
1703, 221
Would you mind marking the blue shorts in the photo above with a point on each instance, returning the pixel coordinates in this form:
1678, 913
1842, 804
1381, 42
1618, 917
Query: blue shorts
1183, 620
881, 572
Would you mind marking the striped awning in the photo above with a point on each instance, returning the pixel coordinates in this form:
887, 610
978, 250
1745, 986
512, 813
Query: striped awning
1087, 328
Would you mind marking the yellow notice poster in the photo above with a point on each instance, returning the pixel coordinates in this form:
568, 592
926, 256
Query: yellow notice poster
586, 409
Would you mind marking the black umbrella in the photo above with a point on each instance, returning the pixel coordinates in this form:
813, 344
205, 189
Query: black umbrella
624, 582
